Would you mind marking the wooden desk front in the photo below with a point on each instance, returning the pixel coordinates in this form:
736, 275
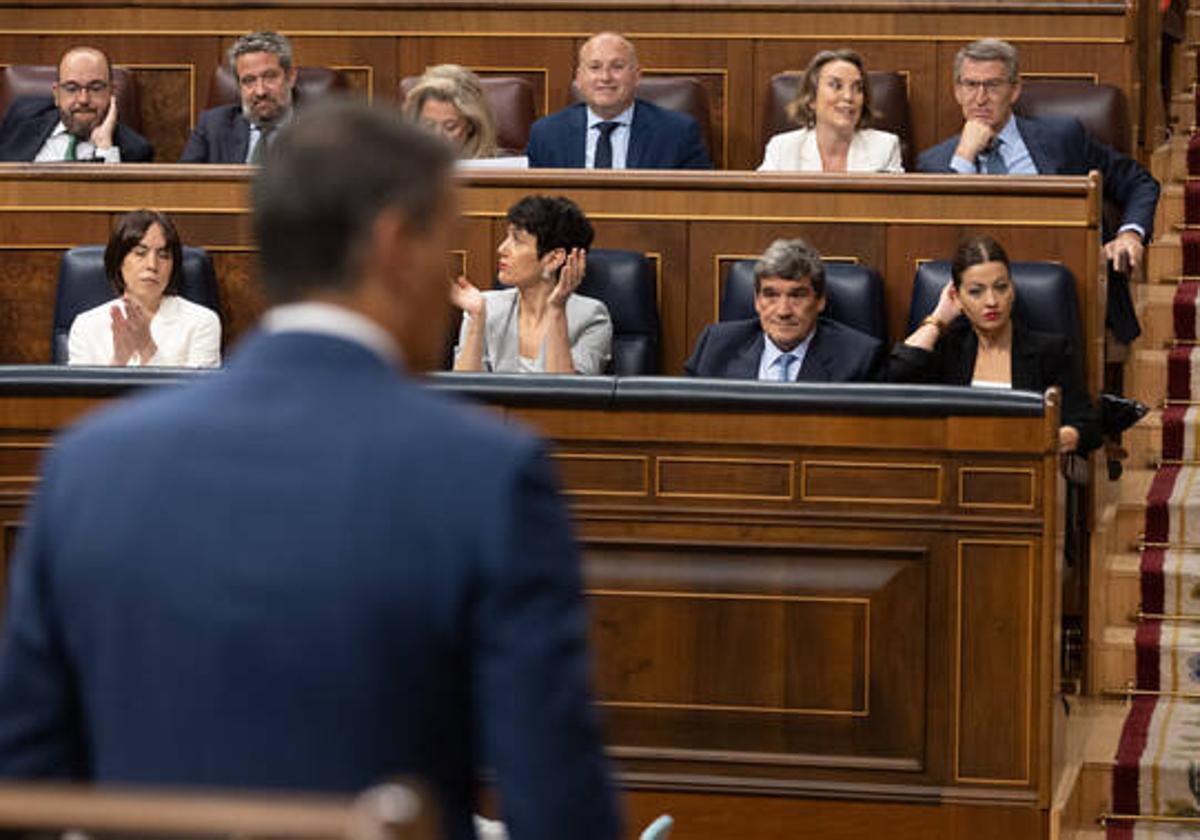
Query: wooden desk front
733, 48
845, 594
691, 225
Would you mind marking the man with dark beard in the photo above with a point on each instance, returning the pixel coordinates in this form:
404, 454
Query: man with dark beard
78, 123
261, 62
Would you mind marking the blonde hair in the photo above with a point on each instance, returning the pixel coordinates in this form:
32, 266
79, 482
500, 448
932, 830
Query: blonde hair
461, 88
800, 110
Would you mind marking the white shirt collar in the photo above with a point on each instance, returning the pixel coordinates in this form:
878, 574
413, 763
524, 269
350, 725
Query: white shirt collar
332, 320
1009, 134
772, 351
624, 118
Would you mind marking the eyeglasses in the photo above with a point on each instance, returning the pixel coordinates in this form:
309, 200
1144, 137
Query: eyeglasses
74, 88
988, 86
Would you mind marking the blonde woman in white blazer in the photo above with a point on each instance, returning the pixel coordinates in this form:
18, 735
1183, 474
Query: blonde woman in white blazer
834, 108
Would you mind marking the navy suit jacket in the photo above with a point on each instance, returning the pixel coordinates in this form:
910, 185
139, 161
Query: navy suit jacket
658, 139
305, 572
222, 135
1063, 147
837, 353
30, 120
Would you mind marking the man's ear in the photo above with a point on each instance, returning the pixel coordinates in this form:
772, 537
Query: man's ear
821, 301
387, 246
291, 76
1016, 94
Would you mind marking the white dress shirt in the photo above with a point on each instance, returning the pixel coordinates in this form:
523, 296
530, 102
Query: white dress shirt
336, 321
55, 148
186, 334
769, 362
796, 151
619, 137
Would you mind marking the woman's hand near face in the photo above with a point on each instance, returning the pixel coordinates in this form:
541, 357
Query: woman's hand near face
1068, 439
466, 296
948, 308
569, 277
123, 342
137, 322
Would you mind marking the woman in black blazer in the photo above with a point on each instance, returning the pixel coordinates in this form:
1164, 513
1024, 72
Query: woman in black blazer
991, 350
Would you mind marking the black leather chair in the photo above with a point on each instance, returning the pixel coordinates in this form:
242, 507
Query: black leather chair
854, 296
1046, 299
311, 84
83, 285
626, 283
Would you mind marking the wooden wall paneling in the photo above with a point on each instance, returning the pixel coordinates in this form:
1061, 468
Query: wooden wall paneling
725, 68
548, 63
994, 646
369, 63
242, 298
916, 60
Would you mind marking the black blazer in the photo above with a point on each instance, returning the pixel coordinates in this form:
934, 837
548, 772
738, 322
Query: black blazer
221, 136
1039, 361
837, 353
1063, 147
31, 119
658, 139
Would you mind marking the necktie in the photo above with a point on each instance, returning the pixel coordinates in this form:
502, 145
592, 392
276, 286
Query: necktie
604, 154
785, 366
993, 161
260, 148
72, 140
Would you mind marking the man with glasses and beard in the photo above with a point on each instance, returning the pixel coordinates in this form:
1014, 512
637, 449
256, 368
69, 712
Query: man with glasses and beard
261, 62
80, 122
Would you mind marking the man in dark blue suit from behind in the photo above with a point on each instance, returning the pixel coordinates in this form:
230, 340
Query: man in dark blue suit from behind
612, 128
995, 141
308, 572
789, 341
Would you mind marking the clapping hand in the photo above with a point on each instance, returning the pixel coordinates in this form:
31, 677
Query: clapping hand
102, 134
131, 333
569, 277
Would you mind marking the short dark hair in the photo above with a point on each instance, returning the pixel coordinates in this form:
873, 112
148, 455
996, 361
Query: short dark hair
976, 250
263, 41
324, 183
554, 222
791, 259
126, 235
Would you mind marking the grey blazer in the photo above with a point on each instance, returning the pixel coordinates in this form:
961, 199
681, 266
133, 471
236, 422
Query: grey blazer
589, 329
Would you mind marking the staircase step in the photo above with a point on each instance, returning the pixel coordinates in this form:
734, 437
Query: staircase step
1165, 259
1114, 659
1144, 442
1170, 213
1183, 110
1131, 509
1122, 588
1168, 163
1149, 382
1093, 730
1156, 310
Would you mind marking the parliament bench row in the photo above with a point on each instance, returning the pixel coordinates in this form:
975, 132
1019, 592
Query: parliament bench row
625, 281
1102, 108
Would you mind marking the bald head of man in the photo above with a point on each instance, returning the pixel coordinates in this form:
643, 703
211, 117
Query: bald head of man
83, 91
608, 74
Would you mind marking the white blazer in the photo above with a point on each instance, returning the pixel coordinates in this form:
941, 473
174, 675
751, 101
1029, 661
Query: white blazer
796, 151
186, 334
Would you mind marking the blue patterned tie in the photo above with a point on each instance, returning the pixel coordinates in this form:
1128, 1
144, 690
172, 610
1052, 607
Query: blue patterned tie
993, 161
785, 366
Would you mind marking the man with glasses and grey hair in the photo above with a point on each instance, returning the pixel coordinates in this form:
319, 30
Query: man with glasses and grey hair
79, 122
994, 141
789, 341
262, 65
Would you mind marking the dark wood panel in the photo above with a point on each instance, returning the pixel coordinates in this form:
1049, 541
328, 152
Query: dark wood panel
995, 651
